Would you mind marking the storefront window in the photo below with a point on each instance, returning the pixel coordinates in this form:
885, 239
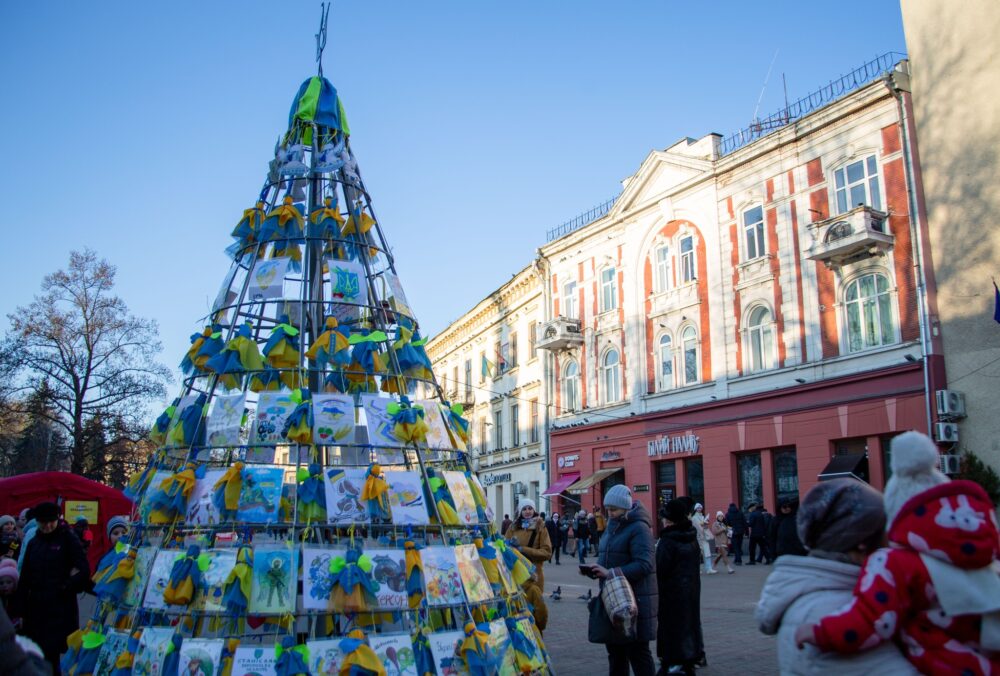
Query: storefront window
696, 480
749, 477
666, 482
786, 474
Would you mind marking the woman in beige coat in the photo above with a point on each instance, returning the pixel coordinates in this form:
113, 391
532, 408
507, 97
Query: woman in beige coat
531, 538
721, 532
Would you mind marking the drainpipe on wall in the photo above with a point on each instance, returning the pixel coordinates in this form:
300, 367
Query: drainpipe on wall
542, 269
897, 89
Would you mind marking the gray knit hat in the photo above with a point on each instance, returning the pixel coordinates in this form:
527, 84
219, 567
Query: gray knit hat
840, 514
115, 522
619, 496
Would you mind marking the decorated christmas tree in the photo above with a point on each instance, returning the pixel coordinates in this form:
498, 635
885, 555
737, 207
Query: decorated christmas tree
310, 508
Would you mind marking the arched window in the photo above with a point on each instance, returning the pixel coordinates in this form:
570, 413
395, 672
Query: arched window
689, 343
868, 308
760, 339
571, 387
666, 359
662, 268
611, 376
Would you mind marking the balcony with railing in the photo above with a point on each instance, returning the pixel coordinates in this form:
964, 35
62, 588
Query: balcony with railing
860, 233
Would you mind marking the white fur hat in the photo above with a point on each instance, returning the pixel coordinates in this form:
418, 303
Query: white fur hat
914, 469
525, 502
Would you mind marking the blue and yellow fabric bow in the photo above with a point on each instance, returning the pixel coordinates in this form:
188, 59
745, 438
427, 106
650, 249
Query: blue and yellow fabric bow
475, 649
169, 499
311, 493
238, 356
330, 347
125, 659
226, 492
283, 222
247, 230
115, 570
446, 512
211, 345
520, 568
185, 577
375, 494
282, 351
83, 660
293, 660
457, 425
190, 430
408, 423
236, 592
158, 433
414, 574
353, 586
359, 658
299, 424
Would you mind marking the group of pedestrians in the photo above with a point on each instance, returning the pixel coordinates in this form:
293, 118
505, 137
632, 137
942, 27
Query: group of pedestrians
582, 529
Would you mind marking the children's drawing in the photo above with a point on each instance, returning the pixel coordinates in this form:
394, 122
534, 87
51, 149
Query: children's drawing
444, 648
461, 494
114, 645
437, 430
347, 282
274, 574
225, 296
477, 484
182, 404
159, 574
225, 419
500, 642
389, 570
333, 419
152, 651
273, 408
267, 281
137, 585
477, 585
343, 495
396, 653
317, 580
379, 422
254, 660
213, 581
260, 495
406, 498
442, 581
200, 657
159, 476
200, 509
397, 299
324, 656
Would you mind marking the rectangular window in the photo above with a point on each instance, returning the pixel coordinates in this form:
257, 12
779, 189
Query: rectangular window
468, 377
515, 425
609, 290
483, 436
695, 473
666, 482
532, 330
569, 300
453, 386
513, 350
753, 231
688, 271
749, 478
786, 474
857, 184
534, 420
484, 368
663, 268
497, 430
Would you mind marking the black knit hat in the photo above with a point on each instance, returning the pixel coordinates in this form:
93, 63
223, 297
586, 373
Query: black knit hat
675, 511
46, 511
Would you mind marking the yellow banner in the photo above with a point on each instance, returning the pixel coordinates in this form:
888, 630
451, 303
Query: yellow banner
84, 508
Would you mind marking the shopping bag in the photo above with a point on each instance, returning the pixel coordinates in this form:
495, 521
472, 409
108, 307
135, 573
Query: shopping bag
619, 602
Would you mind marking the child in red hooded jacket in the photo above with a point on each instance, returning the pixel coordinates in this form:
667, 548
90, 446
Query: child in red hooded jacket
935, 590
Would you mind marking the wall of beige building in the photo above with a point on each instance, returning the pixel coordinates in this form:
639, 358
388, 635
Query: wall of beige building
955, 63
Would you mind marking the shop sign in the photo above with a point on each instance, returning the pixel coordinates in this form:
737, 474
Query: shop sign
491, 479
640, 488
665, 445
608, 456
567, 461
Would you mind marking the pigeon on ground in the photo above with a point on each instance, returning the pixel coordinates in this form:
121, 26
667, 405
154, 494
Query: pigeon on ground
589, 595
557, 594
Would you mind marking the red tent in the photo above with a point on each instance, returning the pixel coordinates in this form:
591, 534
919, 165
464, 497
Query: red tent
28, 490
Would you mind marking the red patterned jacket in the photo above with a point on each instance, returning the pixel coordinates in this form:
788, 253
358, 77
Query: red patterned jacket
897, 599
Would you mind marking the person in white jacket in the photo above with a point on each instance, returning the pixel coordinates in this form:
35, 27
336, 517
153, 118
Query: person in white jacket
701, 526
840, 522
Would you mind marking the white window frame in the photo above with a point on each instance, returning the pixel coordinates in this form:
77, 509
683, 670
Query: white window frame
609, 289
760, 345
498, 429
690, 345
611, 381
754, 240
571, 386
870, 182
662, 264
665, 355
883, 304
570, 310
687, 263
515, 425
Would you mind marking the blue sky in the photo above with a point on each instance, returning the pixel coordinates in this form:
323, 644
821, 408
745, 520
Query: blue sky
142, 130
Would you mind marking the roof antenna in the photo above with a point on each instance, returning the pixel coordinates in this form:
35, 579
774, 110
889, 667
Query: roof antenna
762, 89
324, 16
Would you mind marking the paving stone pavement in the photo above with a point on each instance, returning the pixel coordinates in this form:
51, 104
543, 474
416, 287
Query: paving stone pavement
732, 642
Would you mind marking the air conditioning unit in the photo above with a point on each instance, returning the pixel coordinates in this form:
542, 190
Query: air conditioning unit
951, 464
950, 404
946, 432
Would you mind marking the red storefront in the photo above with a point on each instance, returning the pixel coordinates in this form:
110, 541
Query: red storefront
764, 446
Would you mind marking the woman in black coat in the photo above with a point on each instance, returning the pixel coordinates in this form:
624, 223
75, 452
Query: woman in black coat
677, 567
54, 571
627, 544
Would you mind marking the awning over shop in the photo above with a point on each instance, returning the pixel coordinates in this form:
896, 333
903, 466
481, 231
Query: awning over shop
854, 466
561, 483
584, 485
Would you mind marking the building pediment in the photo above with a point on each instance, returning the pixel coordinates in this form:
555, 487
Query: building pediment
660, 174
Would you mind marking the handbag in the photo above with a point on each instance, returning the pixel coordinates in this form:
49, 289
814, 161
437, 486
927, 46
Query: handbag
599, 629
619, 602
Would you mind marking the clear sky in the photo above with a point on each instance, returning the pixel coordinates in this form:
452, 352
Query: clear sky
142, 130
